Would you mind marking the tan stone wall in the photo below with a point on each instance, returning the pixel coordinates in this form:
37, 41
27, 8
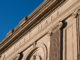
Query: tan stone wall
36, 44
70, 40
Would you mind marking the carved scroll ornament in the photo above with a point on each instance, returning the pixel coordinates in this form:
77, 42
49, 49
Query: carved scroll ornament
17, 57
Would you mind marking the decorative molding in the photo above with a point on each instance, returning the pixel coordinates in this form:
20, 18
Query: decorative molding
14, 39
34, 18
34, 45
10, 33
52, 31
78, 11
78, 33
35, 57
58, 26
49, 33
31, 51
39, 27
55, 28
46, 23
23, 21
17, 57
74, 15
55, 42
58, 13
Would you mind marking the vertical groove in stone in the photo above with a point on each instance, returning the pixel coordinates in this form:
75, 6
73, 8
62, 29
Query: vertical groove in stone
78, 34
55, 41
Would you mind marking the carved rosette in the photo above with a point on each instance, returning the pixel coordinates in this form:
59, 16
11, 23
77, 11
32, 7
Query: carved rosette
55, 42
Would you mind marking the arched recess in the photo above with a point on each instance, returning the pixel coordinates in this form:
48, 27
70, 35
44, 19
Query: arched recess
32, 51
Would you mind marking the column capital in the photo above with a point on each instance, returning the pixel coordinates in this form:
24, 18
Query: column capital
55, 28
74, 14
16, 57
78, 12
49, 33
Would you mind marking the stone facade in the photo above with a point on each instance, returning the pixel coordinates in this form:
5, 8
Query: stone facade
51, 32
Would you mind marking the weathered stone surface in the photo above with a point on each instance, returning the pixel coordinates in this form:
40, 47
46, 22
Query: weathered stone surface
55, 45
10, 33
23, 21
51, 32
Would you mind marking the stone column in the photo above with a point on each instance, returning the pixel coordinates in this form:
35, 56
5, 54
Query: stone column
55, 42
78, 34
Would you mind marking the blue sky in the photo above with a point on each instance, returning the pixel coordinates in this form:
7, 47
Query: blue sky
13, 11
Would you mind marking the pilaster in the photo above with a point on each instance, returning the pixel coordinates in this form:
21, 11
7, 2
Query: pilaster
78, 33
55, 42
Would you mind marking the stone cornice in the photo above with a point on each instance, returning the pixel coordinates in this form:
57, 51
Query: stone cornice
30, 16
33, 18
